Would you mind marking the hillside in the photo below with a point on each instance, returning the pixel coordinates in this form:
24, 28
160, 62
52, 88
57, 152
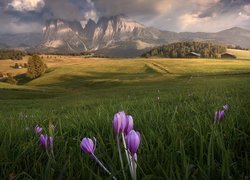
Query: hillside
80, 96
182, 49
241, 54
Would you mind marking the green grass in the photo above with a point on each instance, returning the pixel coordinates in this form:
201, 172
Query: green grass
179, 139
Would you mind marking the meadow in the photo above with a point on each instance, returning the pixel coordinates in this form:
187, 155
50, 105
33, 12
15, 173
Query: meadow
172, 101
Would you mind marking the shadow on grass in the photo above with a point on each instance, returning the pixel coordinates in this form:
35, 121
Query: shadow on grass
99, 80
22, 79
15, 94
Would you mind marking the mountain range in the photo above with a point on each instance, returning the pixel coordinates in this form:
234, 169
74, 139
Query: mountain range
117, 36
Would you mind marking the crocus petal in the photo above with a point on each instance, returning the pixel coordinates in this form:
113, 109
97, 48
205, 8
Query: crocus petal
123, 121
38, 129
226, 107
221, 115
87, 146
117, 124
133, 142
129, 124
44, 141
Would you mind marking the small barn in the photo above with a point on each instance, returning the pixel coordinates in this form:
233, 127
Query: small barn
228, 56
193, 55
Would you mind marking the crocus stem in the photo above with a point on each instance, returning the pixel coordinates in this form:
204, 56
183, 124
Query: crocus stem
129, 157
120, 156
134, 169
103, 167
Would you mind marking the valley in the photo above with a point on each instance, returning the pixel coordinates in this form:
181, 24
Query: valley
172, 102
124, 89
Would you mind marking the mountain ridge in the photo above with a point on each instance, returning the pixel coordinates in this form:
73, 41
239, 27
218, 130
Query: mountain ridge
119, 33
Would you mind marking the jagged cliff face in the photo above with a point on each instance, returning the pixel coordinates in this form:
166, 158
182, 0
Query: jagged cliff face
120, 35
58, 34
114, 29
62, 35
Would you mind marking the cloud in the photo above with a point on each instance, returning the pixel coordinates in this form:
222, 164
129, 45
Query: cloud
26, 5
14, 25
215, 23
133, 7
174, 15
247, 8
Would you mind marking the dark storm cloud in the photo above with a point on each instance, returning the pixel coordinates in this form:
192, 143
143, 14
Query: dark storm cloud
32, 14
176, 15
55, 9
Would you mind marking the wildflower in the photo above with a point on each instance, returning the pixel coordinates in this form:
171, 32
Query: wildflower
46, 142
88, 146
38, 129
133, 141
119, 122
219, 116
226, 107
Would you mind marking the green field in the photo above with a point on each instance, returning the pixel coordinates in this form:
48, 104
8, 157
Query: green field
172, 102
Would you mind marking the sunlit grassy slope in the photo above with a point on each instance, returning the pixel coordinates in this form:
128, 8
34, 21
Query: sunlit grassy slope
138, 70
172, 102
240, 54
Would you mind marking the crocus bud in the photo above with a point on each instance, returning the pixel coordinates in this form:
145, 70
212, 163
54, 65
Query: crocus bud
133, 141
129, 124
46, 143
38, 129
219, 116
226, 107
88, 146
119, 122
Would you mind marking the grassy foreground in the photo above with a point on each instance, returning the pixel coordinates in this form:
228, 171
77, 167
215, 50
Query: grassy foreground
172, 103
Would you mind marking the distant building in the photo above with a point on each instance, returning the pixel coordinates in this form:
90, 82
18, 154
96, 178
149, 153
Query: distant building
228, 56
193, 55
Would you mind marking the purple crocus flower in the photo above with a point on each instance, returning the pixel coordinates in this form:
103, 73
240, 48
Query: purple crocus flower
88, 146
119, 122
38, 129
226, 107
46, 142
133, 141
219, 116
129, 124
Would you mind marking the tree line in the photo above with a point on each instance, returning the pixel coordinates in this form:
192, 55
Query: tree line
181, 49
11, 54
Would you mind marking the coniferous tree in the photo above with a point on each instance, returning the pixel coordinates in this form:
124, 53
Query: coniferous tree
181, 49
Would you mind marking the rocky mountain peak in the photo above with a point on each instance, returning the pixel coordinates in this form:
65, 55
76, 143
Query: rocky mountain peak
112, 33
60, 34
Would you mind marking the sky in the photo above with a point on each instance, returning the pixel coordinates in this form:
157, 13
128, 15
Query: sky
20, 16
